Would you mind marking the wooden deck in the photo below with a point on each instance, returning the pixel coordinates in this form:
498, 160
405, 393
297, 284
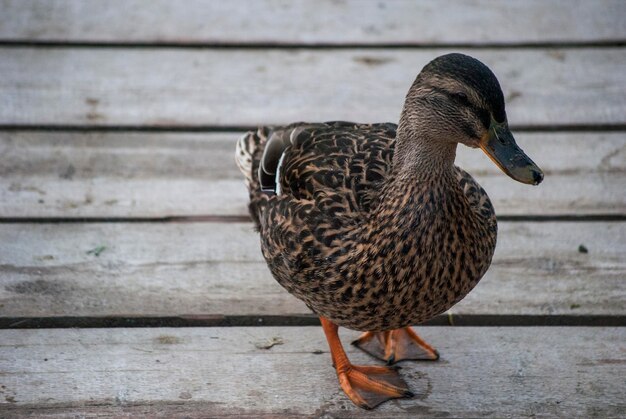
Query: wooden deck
132, 284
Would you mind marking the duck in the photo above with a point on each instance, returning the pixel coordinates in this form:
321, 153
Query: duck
373, 226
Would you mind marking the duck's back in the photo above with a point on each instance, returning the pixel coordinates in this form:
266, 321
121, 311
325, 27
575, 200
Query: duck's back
337, 166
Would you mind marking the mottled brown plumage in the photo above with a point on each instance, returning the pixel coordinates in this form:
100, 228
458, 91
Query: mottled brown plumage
363, 245
372, 225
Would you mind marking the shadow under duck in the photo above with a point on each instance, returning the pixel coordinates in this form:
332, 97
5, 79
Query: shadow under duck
373, 226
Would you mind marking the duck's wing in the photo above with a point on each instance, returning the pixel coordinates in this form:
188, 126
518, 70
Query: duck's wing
311, 189
339, 165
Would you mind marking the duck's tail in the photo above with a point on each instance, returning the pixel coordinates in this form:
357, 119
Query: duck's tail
248, 153
249, 145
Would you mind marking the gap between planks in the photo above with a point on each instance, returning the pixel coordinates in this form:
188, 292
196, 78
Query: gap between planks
456, 320
240, 129
309, 46
583, 218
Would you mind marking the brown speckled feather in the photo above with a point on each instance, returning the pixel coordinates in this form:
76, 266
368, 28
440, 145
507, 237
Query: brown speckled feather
359, 242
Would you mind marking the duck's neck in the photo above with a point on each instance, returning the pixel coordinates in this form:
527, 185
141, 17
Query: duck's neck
422, 185
419, 206
420, 157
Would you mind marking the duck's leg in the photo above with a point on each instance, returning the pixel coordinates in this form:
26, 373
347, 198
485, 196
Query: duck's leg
396, 345
366, 386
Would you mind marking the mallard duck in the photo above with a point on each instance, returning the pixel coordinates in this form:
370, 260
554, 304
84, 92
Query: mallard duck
373, 226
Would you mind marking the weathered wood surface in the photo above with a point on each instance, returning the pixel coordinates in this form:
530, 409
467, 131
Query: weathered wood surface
169, 269
217, 87
322, 22
217, 269
210, 372
65, 174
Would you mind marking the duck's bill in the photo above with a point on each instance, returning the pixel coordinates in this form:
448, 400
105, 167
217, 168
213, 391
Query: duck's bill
500, 146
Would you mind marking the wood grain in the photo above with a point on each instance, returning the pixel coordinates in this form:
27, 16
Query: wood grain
243, 87
360, 22
65, 174
217, 269
210, 372
208, 64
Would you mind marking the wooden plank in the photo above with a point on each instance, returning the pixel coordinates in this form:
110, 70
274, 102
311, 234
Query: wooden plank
119, 174
216, 372
65, 174
217, 269
235, 87
366, 22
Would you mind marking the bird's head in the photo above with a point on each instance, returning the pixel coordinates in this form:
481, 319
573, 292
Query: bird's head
457, 99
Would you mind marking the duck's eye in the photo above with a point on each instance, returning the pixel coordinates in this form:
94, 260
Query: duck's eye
460, 97
484, 116
499, 116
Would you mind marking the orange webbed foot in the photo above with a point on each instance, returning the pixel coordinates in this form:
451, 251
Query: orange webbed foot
396, 345
366, 386
369, 386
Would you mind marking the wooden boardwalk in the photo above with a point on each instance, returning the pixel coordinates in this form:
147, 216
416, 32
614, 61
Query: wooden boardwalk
132, 284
